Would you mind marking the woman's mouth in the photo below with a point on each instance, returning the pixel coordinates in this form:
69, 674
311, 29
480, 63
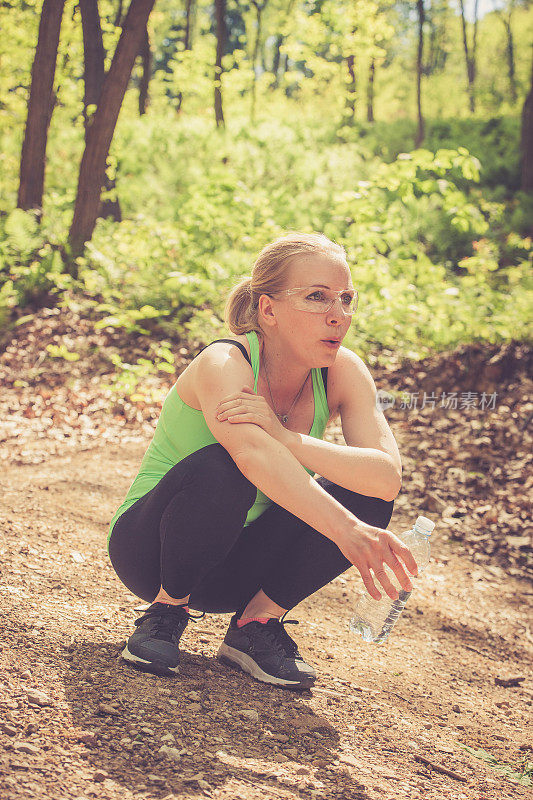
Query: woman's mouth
332, 342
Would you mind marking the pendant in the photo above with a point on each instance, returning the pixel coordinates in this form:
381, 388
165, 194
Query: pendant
284, 418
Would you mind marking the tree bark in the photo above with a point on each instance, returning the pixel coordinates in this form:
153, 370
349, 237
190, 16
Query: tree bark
470, 55
146, 59
220, 11
510, 59
421, 125
118, 17
526, 143
370, 92
507, 24
276, 58
187, 42
259, 12
93, 75
40, 104
100, 133
351, 91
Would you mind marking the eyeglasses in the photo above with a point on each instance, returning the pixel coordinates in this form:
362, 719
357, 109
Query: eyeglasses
319, 301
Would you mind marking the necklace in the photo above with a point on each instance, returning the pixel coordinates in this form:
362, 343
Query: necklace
284, 417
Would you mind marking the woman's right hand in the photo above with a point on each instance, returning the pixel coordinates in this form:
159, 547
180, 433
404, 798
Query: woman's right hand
370, 548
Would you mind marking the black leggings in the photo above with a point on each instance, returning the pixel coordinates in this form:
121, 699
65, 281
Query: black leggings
187, 534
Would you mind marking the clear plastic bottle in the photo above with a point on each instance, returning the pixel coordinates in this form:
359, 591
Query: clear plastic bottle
374, 619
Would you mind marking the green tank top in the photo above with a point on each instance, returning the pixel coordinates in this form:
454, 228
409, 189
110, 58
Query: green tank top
181, 430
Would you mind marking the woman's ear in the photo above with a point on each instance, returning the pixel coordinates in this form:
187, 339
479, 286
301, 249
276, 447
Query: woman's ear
265, 309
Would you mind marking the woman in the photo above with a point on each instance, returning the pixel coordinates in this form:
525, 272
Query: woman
224, 513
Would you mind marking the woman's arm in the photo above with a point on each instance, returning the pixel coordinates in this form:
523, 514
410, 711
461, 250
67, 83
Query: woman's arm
360, 469
370, 463
271, 467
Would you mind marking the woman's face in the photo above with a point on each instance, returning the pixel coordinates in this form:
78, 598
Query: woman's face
306, 332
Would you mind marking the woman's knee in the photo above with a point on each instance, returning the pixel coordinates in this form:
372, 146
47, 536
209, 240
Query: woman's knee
216, 473
372, 510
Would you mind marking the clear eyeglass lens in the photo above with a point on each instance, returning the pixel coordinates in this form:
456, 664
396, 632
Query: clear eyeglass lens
320, 301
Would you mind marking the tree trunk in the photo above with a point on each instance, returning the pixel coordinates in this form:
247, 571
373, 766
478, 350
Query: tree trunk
188, 24
470, 55
510, 59
258, 11
220, 11
93, 75
276, 58
100, 134
118, 17
146, 59
526, 143
351, 91
187, 43
40, 103
421, 126
370, 92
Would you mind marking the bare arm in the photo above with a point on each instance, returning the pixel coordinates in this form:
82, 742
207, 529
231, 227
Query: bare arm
270, 466
370, 462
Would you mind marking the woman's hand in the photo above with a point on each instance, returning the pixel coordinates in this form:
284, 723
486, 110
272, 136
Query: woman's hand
247, 406
370, 548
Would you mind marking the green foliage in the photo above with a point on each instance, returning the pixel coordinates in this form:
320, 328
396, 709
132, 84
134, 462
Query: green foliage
128, 377
522, 775
438, 239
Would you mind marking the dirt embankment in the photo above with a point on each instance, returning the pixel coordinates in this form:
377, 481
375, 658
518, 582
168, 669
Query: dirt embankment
381, 723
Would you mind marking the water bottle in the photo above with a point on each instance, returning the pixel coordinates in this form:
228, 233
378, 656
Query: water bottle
374, 619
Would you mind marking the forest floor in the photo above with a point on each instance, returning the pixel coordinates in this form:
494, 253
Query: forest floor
439, 711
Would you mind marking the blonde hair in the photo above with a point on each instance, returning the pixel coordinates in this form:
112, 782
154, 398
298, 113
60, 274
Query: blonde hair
269, 275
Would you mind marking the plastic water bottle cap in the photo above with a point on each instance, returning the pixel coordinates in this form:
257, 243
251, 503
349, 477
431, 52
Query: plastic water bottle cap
424, 525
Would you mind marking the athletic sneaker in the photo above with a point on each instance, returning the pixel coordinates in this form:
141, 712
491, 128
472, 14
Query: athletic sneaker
153, 647
266, 651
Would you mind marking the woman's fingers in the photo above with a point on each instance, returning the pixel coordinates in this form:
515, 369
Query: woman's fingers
383, 578
399, 571
370, 586
405, 554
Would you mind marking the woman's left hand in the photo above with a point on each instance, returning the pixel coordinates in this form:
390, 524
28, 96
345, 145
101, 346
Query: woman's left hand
247, 406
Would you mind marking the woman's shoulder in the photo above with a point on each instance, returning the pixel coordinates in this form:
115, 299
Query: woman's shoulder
210, 355
241, 339
344, 375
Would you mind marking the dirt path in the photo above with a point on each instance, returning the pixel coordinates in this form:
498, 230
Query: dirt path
78, 723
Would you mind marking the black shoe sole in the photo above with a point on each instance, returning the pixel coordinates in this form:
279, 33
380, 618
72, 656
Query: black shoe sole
245, 663
155, 667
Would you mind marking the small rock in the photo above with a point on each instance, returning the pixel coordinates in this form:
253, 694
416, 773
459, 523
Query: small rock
105, 708
87, 737
37, 698
26, 747
168, 737
456, 708
292, 752
7, 728
26, 674
148, 731
99, 776
171, 752
302, 771
279, 757
320, 762
194, 696
194, 707
156, 779
250, 714
31, 727
198, 777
